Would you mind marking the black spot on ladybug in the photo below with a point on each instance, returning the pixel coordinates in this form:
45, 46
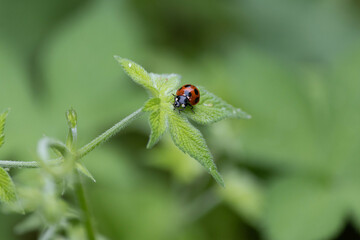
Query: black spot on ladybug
196, 92
188, 85
197, 99
180, 88
188, 93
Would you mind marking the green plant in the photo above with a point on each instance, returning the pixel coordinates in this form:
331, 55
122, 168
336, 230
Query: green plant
60, 169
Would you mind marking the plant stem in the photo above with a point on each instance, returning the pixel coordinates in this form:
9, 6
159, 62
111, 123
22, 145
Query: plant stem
80, 194
24, 164
18, 164
108, 133
84, 150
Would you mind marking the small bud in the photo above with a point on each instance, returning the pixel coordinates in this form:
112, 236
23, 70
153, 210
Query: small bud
71, 117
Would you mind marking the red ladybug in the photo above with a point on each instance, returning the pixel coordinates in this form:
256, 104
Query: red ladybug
187, 95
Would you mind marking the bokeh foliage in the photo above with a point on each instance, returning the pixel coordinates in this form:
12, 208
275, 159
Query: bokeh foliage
292, 171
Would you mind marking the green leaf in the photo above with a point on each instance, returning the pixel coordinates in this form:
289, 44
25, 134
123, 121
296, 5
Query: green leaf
158, 126
189, 140
165, 83
152, 104
81, 168
31, 223
211, 109
2, 126
7, 187
138, 74
157, 120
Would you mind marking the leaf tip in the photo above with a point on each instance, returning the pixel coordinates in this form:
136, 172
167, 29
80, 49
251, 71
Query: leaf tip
124, 62
241, 114
5, 112
149, 145
152, 142
216, 175
117, 58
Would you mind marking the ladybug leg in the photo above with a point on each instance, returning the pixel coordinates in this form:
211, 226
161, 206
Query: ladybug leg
192, 107
181, 109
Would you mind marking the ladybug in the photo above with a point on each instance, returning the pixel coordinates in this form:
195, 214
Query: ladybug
187, 95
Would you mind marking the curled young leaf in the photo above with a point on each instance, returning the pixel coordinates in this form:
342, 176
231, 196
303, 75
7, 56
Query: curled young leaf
189, 140
7, 187
2, 126
71, 117
138, 74
211, 109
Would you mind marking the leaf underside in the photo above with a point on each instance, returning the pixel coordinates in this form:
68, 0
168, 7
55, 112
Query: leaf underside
2, 126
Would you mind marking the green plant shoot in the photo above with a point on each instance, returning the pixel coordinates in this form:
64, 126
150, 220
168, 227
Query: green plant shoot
162, 117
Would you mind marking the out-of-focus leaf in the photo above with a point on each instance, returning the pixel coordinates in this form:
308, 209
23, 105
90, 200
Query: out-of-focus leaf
95, 86
30, 223
303, 210
244, 194
146, 196
84, 171
49, 233
189, 140
345, 130
211, 109
288, 33
15, 94
2, 126
7, 187
281, 111
167, 157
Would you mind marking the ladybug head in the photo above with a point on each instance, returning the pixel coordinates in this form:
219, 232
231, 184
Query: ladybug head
181, 101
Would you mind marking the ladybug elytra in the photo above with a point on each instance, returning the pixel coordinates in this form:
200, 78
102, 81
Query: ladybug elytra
187, 95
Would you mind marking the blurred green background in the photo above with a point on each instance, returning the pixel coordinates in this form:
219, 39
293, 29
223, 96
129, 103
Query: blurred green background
292, 172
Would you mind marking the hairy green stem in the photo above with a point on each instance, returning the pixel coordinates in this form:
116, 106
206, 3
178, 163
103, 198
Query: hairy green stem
80, 194
108, 133
84, 150
24, 164
18, 164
